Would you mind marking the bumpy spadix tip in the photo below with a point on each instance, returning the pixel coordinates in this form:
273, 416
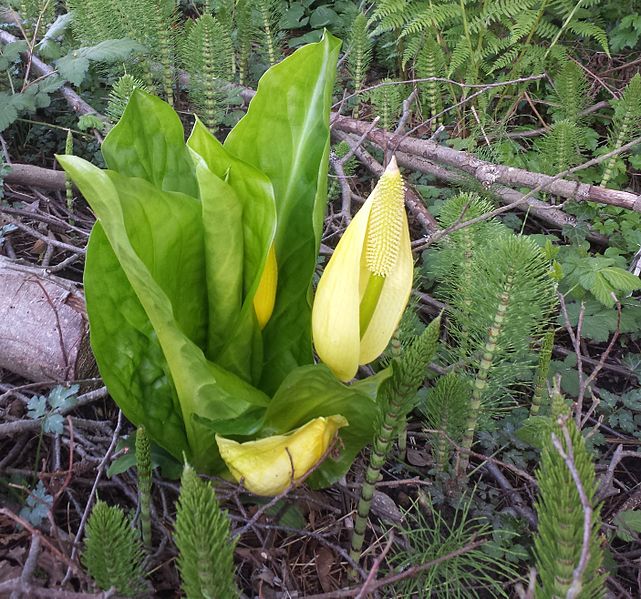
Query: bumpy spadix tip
392, 166
385, 221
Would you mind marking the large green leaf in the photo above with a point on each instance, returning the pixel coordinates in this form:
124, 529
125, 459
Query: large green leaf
132, 212
312, 391
253, 195
285, 134
149, 142
127, 351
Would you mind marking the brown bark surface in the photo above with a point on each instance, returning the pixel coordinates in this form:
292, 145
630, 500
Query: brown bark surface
44, 332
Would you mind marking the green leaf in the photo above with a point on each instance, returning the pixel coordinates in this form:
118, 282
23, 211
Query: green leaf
127, 351
294, 17
8, 112
285, 134
157, 238
621, 280
11, 53
149, 142
37, 506
234, 332
323, 16
37, 407
73, 67
313, 391
628, 522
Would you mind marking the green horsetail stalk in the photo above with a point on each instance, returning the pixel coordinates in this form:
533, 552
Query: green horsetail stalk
396, 398
144, 468
202, 536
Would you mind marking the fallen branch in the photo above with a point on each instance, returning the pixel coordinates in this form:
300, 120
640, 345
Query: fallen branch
544, 212
35, 176
488, 173
43, 325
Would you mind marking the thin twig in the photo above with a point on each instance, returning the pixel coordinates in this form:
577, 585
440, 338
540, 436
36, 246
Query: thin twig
483, 86
409, 573
371, 577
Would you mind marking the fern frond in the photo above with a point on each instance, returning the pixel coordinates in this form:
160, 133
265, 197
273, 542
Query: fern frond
547, 30
113, 553
202, 536
523, 24
432, 16
505, 60
460, 56
499, 10
591, 31
391, 14
411, 50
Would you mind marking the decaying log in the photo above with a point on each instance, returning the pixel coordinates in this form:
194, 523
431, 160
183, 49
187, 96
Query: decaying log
44, 332
35, 176
487, 172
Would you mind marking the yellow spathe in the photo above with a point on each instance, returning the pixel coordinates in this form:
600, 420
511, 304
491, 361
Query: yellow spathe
265, 296
367, 283
265, 465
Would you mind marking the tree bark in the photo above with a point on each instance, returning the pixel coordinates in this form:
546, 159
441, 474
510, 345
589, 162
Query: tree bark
486, 172
44, 331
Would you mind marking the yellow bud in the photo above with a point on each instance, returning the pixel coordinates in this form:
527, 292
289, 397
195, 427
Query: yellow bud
265, 297
268, 466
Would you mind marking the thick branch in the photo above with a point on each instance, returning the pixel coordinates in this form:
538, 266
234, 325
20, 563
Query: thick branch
35, 176
487, 173
544, 212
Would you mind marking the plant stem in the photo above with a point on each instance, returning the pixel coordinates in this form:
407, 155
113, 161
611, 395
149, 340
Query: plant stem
143, 466
543, 370
480, 383
381, 448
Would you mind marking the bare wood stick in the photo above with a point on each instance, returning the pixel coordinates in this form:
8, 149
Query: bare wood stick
544, 212
491, 174
31, 590
35, 176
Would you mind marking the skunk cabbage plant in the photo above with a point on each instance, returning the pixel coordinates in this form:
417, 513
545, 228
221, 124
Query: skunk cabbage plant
199, 268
